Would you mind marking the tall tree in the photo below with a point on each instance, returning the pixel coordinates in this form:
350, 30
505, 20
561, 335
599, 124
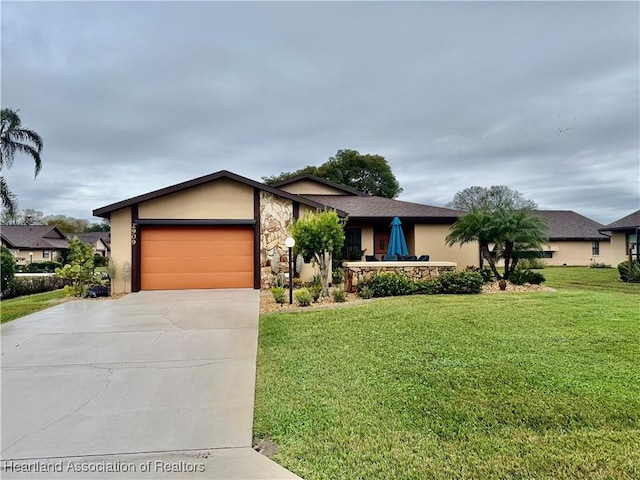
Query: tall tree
498, 216
491, 199
366, 173
14, 138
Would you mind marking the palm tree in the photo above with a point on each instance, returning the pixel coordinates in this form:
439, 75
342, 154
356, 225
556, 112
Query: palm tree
14, 138
512, 231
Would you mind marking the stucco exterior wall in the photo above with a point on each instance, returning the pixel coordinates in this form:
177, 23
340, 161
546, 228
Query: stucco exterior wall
577, 253
430, 240
276, 214
366, 240
22, 257
618, 248
223, 199
121, 248
311, 188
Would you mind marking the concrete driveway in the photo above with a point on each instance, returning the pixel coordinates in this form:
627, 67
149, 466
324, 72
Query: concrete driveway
152, 385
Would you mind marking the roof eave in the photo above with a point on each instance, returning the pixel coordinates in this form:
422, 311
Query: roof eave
105, 212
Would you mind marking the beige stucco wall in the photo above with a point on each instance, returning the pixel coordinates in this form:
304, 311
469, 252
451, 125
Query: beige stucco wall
221, 199
577, 252
618, 248
121, 248
366, 240
430, 240
310, 187
22, 257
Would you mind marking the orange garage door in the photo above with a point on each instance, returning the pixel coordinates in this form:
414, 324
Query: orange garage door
175, 258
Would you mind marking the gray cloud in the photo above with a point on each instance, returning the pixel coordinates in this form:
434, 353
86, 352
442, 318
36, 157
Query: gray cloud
134, 96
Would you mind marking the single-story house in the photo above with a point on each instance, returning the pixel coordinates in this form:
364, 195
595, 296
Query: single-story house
624, 237
33, 243
98, 240
574, 239
222, 230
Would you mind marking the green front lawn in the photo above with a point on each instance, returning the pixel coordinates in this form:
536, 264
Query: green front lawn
529, 385
19, 307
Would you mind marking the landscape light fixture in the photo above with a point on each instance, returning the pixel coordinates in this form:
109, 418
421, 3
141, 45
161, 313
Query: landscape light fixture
290, 242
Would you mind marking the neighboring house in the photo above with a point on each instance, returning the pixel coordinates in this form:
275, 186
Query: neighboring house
98, 240
33, 243
574, 239
222, 230
624, 237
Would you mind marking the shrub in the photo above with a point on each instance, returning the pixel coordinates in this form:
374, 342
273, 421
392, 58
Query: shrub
338, 276
339, 295
426, 287
531, 263
99, 260
41, 267
520, 276
304, 297
364, 291
460, 282
486, 272
279, 280
389, 284
7, 269
279, 294
629, 271
599, 265
30, 285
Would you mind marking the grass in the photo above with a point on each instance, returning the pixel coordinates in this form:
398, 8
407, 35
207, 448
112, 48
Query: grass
19, 307
526, 385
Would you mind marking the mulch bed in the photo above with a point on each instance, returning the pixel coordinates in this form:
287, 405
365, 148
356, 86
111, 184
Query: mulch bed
269, 305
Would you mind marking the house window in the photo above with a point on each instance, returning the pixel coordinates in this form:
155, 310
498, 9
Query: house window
595, 247
352, 249
632, 243
45, 254
547, 254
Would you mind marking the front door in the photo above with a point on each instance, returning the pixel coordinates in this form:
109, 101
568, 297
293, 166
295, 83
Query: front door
381, 242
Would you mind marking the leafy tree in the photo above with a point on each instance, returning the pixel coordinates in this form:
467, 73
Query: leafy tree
14, 138
493, 198
503, 218
7, 269
80, 272
366, 173
103, 226
28, 216
319, 235
67, 224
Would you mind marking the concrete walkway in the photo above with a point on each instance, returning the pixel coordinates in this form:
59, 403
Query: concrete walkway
152, 385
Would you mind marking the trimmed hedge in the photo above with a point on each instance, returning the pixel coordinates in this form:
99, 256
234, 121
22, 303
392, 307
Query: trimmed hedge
39, 267
391, 284
30, 285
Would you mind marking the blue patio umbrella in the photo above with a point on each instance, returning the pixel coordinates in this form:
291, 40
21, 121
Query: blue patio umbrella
397, 243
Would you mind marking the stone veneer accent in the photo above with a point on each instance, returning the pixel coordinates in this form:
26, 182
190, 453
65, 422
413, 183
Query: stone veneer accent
276, 214
355, 272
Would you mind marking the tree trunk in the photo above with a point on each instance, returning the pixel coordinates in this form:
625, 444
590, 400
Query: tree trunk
508, 251
324, 261
486, 254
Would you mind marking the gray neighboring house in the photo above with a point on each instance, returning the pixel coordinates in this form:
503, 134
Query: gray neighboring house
33, 243
624, 237
100, 241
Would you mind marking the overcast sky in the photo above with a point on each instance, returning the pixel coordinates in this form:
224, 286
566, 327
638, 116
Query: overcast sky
130, 97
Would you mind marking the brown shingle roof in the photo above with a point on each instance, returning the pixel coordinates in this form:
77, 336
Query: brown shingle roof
630, 222
370, 207
33, 236
91, 237
569, 225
